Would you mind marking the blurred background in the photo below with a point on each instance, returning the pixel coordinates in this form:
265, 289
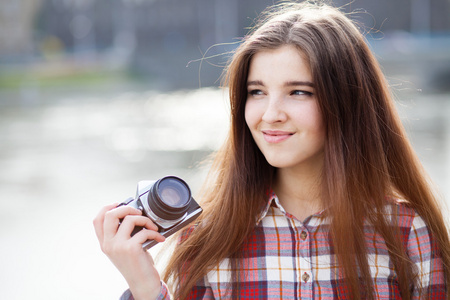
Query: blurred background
96, 95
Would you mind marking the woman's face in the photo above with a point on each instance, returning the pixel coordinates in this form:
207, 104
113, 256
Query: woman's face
282, 110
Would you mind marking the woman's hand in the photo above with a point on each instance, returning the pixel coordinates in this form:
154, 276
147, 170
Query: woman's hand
125, 251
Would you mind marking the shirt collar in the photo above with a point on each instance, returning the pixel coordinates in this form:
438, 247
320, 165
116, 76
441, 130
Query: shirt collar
275, 202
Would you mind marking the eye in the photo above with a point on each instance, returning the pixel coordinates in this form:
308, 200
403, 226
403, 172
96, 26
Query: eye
301, 93
255, 92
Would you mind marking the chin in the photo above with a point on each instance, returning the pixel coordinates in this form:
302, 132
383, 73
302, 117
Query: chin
277, 163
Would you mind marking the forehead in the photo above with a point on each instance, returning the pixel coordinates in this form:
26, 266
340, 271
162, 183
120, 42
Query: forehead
286, 61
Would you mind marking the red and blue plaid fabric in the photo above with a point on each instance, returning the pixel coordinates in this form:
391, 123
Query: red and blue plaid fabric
288, 259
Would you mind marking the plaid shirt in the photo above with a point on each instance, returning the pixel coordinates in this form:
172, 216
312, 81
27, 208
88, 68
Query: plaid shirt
288, 259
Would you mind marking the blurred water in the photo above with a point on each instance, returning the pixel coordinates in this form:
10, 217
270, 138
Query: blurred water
61, 161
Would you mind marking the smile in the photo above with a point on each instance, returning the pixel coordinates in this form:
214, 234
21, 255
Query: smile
276, 136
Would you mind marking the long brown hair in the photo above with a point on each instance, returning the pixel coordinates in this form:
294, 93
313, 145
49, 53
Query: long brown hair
367, 156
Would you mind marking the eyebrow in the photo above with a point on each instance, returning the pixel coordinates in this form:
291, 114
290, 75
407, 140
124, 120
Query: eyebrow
288, 83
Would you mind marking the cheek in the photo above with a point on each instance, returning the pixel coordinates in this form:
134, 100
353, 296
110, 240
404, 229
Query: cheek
319, 120
249, 115
319, 126
315, 122
311, 117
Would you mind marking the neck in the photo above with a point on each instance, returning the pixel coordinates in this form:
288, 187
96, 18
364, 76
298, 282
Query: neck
299, 191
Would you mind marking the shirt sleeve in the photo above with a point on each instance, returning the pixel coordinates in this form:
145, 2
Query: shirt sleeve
201, 291
424, 253
163, 295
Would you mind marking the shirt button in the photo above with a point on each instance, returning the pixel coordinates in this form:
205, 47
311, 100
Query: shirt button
303, 235
305, 277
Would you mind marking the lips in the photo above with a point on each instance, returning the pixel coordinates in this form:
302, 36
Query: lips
276, 136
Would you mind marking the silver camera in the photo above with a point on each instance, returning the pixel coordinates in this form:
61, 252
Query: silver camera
167, 202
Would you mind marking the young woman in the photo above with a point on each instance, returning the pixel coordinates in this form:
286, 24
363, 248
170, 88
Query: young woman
316, 193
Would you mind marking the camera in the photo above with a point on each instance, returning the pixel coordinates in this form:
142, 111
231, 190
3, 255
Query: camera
167, 202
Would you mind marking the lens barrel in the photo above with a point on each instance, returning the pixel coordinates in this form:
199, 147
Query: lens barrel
169, 198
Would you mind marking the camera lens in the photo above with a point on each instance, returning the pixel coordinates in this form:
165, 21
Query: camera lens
169, 198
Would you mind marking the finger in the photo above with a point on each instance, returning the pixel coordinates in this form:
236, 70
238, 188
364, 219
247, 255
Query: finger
146, 234
99, 219
130, 222
112, 219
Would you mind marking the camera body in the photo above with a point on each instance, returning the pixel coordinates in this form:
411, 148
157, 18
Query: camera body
167, 202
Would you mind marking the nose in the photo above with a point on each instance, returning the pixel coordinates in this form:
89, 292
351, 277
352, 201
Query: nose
275, 112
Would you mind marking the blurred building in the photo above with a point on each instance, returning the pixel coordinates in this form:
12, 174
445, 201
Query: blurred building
170, 40
17, 26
